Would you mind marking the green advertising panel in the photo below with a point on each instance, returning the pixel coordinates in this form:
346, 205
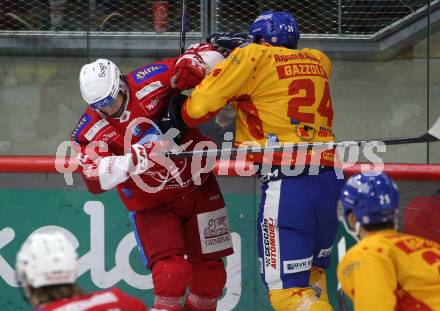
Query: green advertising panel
100, 228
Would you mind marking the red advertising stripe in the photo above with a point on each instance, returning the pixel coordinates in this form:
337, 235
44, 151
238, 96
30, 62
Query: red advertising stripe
46, 164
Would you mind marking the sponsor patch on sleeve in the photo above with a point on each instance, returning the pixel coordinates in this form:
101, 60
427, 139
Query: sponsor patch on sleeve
95, 129
148, 71
82, 123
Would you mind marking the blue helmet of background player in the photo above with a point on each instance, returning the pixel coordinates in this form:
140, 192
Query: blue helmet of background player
276, 28
372, 199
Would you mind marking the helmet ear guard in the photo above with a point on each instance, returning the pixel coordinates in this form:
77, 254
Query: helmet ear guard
342, 217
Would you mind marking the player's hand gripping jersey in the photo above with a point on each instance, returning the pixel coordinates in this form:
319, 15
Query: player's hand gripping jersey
392, 271
252, 78
149, 94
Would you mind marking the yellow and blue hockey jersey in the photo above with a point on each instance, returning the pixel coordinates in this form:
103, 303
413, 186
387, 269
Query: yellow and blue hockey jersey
278, 93
388, 270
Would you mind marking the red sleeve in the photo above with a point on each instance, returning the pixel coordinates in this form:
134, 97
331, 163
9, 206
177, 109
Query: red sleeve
93, 138
129, 302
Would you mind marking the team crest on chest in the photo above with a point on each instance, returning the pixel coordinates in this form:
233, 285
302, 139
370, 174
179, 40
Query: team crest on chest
304, 132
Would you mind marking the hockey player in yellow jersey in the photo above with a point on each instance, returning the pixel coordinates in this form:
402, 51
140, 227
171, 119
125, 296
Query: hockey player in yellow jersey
277, 91
282, 95
386, 270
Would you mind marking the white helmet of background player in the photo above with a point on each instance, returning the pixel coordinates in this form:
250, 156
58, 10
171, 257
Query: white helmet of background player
100, 82
46, 259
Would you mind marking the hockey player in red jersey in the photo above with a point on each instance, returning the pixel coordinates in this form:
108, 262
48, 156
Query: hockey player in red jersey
47, 270
116, 137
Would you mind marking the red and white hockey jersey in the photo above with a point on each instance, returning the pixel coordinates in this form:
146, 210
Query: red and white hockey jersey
98, 136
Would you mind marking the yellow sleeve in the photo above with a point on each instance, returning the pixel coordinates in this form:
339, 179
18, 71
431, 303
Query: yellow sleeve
226, 81
369, 279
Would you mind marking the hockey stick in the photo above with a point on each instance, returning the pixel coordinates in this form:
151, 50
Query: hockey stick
182, 26
341, 300
432, 135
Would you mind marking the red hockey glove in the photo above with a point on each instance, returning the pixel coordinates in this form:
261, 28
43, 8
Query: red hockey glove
189, 71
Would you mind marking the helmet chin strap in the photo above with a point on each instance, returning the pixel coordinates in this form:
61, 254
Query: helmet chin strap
354, 233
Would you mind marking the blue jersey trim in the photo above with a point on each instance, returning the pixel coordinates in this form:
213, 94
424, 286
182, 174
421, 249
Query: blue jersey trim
82, 123
138, 240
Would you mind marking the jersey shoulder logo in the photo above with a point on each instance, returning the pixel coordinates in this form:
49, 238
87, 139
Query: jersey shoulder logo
82, 123
148, 71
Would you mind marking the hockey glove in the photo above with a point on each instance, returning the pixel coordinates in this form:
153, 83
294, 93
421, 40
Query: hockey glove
145, 155
226, 42
189, 71
173, 117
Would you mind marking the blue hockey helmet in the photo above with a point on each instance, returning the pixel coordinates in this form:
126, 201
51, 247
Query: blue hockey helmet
372, 199
276, 28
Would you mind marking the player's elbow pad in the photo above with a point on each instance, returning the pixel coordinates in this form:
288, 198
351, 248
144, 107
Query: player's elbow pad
114, 170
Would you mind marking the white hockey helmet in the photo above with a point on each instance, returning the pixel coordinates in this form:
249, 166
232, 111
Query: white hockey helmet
46, 259
100, 83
